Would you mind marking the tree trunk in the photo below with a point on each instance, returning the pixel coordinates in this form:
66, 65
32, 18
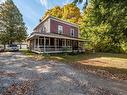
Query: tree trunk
4, 46
20, 46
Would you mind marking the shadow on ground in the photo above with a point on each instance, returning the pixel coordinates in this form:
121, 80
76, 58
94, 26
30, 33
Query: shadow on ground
24, 76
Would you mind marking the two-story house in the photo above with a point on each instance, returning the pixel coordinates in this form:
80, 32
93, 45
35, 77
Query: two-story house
53, 35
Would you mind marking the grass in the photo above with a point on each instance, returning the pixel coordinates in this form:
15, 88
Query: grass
103, 64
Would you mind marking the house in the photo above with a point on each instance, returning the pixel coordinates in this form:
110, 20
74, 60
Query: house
53, 35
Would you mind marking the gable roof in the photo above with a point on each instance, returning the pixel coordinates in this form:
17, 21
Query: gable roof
58, 19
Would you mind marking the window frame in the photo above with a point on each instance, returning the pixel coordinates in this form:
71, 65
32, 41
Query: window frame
60, 29
43, 29
72, 32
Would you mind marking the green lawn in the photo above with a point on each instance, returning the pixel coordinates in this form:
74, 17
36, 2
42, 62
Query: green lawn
103, 64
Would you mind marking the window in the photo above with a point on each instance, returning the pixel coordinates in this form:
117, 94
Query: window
60, 29
72, 32
43, 29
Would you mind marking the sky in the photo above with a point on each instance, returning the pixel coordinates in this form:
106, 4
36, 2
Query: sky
33, 10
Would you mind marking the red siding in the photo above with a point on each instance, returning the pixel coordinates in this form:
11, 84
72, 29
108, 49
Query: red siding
66, 28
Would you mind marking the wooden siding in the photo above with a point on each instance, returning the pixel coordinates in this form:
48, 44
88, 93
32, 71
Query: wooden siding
44, 24
66, 28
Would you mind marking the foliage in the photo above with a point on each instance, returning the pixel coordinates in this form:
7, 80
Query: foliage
57, 11
81, 1
69, 12
12, 27
103, 25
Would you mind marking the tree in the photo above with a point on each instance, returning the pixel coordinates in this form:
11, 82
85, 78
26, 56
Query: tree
12, 27
69, 12
57, 11
81, 1
103, 25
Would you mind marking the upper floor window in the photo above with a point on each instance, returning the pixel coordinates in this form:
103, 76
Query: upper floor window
60, 29
43, 29
72, 32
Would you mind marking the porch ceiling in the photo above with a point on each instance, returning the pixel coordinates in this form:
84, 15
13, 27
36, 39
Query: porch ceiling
52, 35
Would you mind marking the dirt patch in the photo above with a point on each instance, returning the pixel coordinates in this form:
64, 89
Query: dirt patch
106, 62
106, 72
20, 89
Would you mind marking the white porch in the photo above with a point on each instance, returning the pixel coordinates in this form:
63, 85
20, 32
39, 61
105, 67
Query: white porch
47, 44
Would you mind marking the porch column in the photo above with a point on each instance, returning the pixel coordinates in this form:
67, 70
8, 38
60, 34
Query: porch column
78, 44
49, 47
55, 43
49, 41
38, 44
44, 44
65, 42
34, 43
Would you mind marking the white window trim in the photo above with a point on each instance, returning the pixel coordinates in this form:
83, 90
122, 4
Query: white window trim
43, 29
60, 26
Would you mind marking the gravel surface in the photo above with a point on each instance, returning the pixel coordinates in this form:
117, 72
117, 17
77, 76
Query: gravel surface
20, 75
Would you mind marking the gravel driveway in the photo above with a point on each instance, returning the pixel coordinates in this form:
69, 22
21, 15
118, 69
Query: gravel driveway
20, 75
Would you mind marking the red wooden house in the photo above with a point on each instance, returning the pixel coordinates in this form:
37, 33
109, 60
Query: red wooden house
53, 35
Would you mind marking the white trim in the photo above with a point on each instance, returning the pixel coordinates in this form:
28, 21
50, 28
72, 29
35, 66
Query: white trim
56, 51
49, 24
50, 51
57, 19
43, 29
44, 35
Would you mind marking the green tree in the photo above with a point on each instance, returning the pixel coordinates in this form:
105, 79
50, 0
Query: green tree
103, 25
81, 1
12, 27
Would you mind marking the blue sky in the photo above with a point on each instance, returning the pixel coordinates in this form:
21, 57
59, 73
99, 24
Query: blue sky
33, 10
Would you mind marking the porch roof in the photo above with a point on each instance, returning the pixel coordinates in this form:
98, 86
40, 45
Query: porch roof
52, 35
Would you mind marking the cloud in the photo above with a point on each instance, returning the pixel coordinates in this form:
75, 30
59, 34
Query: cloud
67, 2
1, 1
44, 3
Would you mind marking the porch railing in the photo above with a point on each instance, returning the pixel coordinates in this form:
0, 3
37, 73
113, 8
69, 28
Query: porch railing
53, 48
